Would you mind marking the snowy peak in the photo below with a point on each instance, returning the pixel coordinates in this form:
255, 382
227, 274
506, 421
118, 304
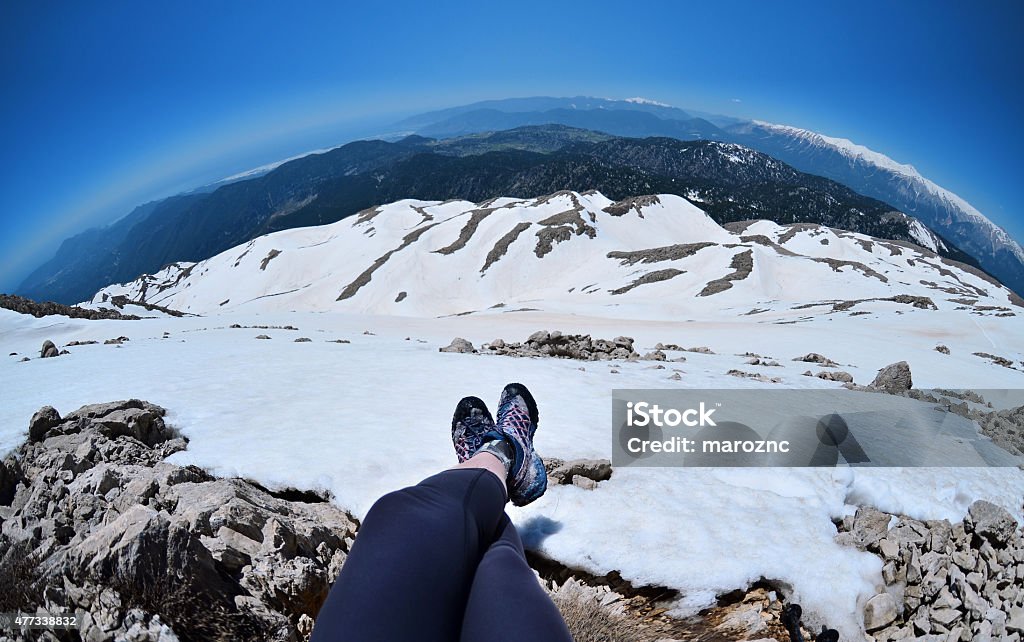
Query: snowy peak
651, 257
914, 185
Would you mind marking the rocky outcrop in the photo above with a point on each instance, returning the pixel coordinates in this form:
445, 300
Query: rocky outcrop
138, 548
46, 308
961, 581
568, 346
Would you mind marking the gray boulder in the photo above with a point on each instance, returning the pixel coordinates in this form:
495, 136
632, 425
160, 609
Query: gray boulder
894, 378
460, 345
45, 418
48, 350
992, 522
880, 611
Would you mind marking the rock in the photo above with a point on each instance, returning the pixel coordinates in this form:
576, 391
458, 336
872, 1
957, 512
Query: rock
112, 518
42, 421
657, 355
303, 340
583, 482
992, 522
563, 472
941, 348
837, 375
1015, 620
889, 548
48, 350
944, 616
460, 345
880, 611
894, 378
676, 377
814, 357
262, 336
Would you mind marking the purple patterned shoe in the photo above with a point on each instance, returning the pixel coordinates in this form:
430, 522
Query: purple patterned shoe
517, 423
470, 423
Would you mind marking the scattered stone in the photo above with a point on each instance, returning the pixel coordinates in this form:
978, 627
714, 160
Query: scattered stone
303, 340
657, 355
338, 341
941, 348
894, 378
118, 341
676, 377
368, 333
460, 345
84, 343
701, 350
262, 336
949, 581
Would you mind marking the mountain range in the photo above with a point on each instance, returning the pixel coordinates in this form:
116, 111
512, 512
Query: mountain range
652, 257
728, 181
863, 170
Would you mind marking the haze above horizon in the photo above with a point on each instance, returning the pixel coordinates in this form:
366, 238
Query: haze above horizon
111, 107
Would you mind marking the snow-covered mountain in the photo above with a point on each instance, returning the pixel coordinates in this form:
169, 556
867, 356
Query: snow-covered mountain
657, 257
346, 317
875, 174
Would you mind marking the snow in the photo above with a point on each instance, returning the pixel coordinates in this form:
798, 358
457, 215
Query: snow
364, 418
869, 156
639, 100
269, 167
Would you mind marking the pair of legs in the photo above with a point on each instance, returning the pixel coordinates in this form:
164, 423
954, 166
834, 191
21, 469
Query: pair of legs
441, 561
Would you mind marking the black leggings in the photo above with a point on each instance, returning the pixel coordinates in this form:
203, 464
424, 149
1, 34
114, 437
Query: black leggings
439, 561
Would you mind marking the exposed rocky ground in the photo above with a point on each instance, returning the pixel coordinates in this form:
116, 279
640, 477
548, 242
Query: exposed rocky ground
46, 308
942, 581
96, 523
556, 344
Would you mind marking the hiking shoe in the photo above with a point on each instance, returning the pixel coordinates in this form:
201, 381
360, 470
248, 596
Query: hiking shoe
470, 423
517, 423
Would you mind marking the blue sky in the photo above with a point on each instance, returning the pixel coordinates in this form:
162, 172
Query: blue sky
109, 104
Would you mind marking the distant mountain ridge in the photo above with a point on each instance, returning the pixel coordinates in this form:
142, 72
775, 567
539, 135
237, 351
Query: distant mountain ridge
730, 182
865, 171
